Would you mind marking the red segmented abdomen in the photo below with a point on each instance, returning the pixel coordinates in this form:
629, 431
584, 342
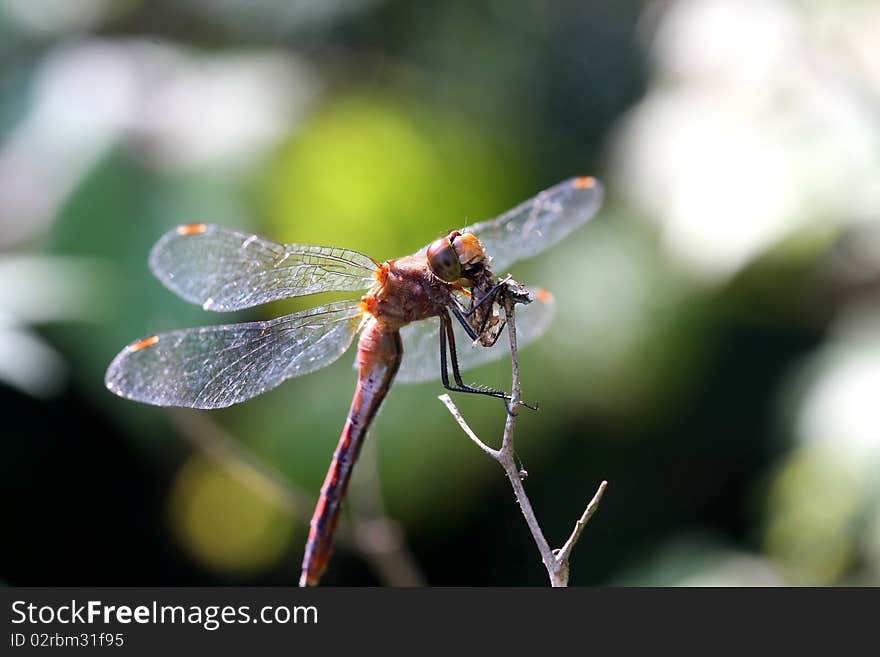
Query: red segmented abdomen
378, 358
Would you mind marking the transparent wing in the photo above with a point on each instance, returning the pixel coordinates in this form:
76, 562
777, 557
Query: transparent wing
217, 366
421, 341
223, 269
538, 223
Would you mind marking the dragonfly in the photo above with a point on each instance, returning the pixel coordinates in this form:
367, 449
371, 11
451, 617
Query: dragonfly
411, 309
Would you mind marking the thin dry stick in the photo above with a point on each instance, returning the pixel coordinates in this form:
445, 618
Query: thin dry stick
555, 561
378, 539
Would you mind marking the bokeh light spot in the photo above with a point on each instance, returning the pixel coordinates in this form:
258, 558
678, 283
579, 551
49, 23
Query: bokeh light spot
224, 524
387, 173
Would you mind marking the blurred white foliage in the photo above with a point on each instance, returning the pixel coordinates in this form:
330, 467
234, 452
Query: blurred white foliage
38, 289
735, 569
763, 118
35, 289
691, 559
839, 410
224, 109
825, 492
54, 16
28, 363
181, 108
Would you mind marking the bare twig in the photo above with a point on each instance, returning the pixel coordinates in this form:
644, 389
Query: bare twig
565, 550
453, 409
378, 539
555, 561
564, 553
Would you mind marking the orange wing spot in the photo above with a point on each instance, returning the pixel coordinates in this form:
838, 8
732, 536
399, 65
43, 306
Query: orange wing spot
143, 344
368, 304
542, 295
584, 182
192, 229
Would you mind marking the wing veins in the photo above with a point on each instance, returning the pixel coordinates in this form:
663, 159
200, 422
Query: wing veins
330, 256
264, 326
262, 342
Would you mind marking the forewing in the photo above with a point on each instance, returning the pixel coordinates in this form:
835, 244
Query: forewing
538, 223
217, 366
223, 269
421, 341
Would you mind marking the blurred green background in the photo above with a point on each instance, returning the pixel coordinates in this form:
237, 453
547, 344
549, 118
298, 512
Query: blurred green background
716, 351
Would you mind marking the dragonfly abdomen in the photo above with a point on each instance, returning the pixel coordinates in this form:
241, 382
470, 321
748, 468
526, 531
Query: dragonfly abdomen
379, 356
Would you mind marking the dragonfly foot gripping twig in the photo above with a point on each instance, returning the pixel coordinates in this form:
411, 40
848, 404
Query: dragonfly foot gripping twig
555, 561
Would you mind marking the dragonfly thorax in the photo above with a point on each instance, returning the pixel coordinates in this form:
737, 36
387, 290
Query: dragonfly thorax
407, 290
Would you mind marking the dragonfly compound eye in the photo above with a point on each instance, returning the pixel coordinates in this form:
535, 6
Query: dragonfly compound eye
468, 249
443, 260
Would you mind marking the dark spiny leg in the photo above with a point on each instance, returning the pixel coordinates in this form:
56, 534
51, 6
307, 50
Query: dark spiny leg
488, 317
450, 334
461, 315
447, 334
491, 294
461, 320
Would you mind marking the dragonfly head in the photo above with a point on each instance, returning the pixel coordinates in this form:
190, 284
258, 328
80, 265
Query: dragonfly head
449, 255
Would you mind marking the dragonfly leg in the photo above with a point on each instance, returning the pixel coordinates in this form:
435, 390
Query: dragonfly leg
464, 314
447, 334
473, 335
461, 316
489, 296
461, 320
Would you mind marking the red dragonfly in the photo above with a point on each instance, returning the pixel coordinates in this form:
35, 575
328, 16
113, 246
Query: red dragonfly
406, 306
